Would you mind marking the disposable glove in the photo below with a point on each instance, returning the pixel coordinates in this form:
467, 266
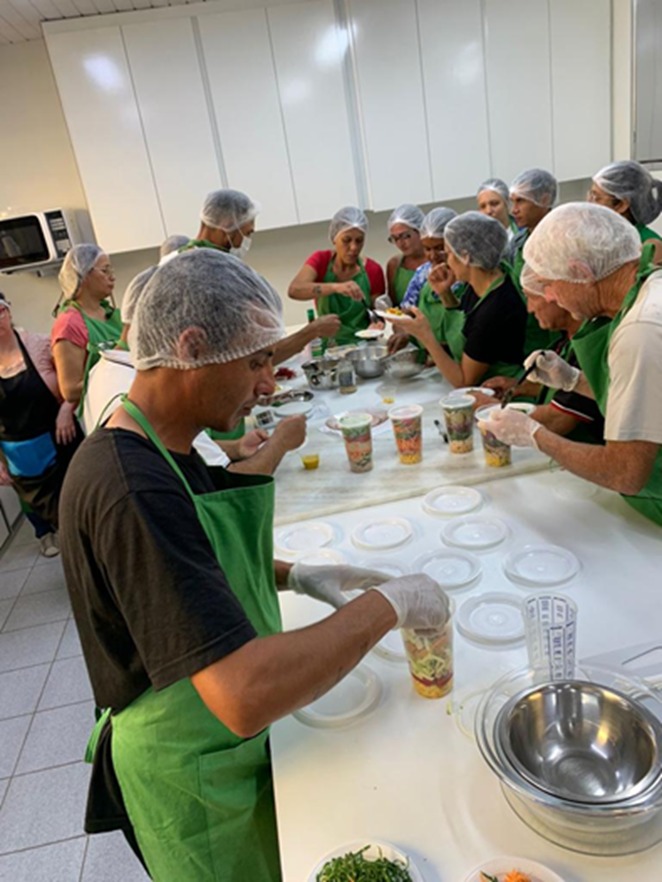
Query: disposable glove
512, 427
418, 602
551, 370
330, 584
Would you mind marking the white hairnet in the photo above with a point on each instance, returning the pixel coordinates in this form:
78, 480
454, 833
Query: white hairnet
173, 243
228, 210
434, 222
77, 264
531, 283
133, 292
536, 185
629, 180
347, 218
407, 214
235, 308
477, 239
581, 242
497, 186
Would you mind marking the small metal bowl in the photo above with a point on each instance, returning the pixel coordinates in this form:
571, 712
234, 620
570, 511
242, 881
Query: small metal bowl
580, 741
323, 373
368, 360
404, 364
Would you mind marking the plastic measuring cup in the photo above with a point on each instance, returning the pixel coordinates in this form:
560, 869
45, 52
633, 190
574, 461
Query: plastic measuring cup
550, 623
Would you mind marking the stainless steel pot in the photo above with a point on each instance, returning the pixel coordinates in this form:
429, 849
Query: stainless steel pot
323, 373
368, 360
403, 365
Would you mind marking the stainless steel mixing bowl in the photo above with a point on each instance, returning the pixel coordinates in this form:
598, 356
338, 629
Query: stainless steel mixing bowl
368, 360
403, 364
322, 373
581, 741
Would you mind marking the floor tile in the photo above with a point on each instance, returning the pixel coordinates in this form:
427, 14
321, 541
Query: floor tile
57, 737
5, 609
12, 582
44, 807
70, 644
20, 690
67, 683
18, 557
4, 784
109, 858
44, 578
12, 736
61, 861
30, 646
38, 609
25, 535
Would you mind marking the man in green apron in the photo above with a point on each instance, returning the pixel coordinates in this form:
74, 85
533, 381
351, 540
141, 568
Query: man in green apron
172, 580
589, 260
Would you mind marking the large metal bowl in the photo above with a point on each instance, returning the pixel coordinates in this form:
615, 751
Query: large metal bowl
322, 373
581, 741
368, 360
404, 364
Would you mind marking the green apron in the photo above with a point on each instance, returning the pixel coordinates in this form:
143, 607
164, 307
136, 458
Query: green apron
401, 281
646, 233
447, 324
535, 337
352, 313
200, 798
592, 350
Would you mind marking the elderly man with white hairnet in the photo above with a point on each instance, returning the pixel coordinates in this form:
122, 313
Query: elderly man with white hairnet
589, 260
174, 589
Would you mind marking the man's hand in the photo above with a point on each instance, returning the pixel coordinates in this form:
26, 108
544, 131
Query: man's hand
250, 443
324, 326
414, 324
290, 432
551, 370
330, 584
511, 427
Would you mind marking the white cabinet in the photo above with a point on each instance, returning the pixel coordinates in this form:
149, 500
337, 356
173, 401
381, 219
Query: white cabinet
519, 92
168, 84
99, 104
246, 103
309, 49
390, 100
581, 86
455, 96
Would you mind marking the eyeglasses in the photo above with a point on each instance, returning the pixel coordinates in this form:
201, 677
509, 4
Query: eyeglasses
4, 305
401, 237
106, 270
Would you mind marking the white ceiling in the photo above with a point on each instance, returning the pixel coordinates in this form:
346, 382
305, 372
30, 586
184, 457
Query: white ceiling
20, 19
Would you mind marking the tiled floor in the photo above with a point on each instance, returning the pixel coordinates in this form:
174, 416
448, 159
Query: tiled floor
46, 713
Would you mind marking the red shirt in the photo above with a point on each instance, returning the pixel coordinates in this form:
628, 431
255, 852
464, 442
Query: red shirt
319, 260
70, 325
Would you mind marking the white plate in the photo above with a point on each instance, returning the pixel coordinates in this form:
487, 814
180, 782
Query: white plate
541, 565
297, 538
382, 533
390, 852
470, 390
450, 568
391, 316
475, 534
322, 557
452, 500
390, 567
293, 408
494, 618
351, 699
500, 866
369, 333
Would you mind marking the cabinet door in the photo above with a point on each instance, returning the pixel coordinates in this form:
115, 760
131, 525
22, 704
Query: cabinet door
518, 85
95, 87
390, 100
455, 97
581, 86
166, 74
309, 49
244, 91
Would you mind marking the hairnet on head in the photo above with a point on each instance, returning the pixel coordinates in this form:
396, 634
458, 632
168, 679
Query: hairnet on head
629, 180
236, 309
434, 222
476, 239
496, 185
228, 210
581, 242
77, 264
407, 214
133, 292
172, 244
531, 283
347, 218
536, 185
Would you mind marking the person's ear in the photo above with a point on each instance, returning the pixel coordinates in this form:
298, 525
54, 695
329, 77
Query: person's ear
621, 206
580, 272
192, 345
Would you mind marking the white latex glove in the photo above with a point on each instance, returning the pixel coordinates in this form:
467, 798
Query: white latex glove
512, 427
418, 602
551, 370
330, 583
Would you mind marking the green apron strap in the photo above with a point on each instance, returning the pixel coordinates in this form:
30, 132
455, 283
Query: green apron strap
105, 408
93, 740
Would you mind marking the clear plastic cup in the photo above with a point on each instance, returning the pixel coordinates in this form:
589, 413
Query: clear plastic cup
497, 454
310, 456
430, 660
386, 392
407, 428
356, 433
458, 414
550, 622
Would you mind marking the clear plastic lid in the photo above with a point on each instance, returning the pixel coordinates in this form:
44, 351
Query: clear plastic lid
450, 568
291, 541
354, 697
475, 534
494, 619
542, 564
452, 499
382, 533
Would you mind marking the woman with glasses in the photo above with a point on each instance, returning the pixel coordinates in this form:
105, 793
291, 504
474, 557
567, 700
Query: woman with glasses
87, 320
404, 229
38, 431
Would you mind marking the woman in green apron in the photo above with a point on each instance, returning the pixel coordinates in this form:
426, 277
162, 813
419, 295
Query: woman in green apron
404, 231
339, 281
493, 200
87, 321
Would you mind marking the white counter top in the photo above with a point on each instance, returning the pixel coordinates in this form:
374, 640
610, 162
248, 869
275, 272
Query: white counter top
405, 773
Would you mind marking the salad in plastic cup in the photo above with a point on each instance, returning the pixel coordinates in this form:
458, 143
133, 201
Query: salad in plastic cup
497, 454
430, 659
458, 413
406, 422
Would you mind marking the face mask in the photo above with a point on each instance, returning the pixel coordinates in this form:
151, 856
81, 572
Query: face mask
242, 250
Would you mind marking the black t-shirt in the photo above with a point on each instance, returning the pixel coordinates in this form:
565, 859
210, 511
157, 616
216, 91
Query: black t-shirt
494, 331
581, 407
150, 601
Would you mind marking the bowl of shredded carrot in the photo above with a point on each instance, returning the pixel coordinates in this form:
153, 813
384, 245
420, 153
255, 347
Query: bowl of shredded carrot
512, 869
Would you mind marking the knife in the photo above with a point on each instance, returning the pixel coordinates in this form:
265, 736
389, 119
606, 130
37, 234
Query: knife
510, 394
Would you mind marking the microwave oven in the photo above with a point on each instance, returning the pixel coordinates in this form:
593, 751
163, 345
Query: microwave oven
36, 241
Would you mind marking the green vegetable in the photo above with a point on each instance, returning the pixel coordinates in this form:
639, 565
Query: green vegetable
355, 867
488, 877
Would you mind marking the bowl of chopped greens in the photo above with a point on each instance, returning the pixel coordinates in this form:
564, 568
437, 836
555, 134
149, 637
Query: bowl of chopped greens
364, 861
